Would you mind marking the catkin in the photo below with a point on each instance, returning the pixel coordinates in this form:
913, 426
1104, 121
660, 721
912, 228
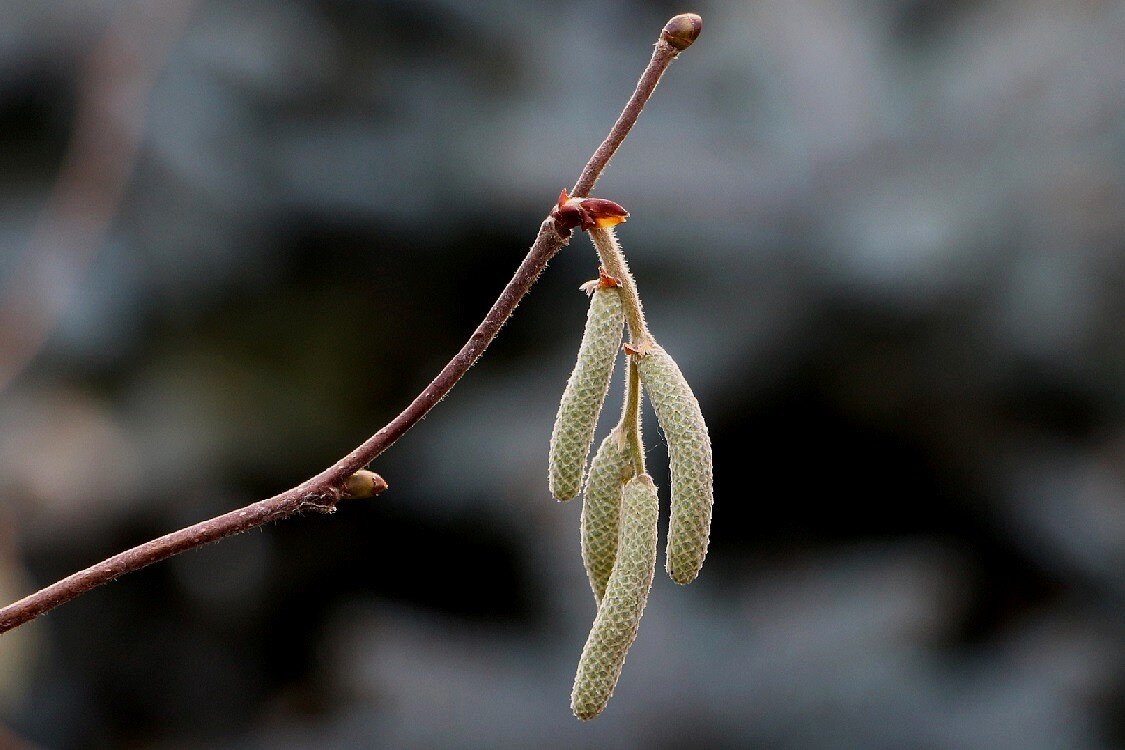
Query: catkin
689, 453
601, 503
585, 391
615, 626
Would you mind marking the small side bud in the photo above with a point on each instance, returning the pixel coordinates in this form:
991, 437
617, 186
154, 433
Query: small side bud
682, 30
567, 215
605, 281
586, 213
602, 213
364, 483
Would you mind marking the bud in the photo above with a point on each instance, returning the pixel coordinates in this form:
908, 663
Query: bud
689, 453
364, 483
585, 392
615, 626
601, 507
586, 213
682, 30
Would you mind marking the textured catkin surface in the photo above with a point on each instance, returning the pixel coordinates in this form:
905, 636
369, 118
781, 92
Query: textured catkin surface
585, 391
615, 626
689, 453
601, 504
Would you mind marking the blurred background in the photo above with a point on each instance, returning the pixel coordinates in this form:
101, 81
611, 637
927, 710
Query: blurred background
883, 239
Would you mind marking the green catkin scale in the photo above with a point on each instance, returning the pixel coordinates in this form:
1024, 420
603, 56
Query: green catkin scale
585, 391
601, 502
615, 626
689, 453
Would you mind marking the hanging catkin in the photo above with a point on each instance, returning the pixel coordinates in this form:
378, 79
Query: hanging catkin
601, 503
689, 453
615, 626
585, 391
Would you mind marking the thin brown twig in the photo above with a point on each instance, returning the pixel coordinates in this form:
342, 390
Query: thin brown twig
324, 490
674, 38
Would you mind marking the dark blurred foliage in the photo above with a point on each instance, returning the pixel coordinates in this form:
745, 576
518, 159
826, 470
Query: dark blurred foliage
883, 239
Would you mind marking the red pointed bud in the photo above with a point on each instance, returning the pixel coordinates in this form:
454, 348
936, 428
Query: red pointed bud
567, 214
602, 213
586, 213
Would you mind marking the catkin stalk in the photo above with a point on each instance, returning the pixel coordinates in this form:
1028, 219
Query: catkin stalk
585, 391
689, 453
615, 626
613, 261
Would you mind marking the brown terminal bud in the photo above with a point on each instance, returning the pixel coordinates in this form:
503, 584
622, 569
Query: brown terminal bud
364, 483
682, 30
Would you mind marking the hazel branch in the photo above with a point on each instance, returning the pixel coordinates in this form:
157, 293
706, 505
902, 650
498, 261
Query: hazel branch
323, 491
676, 36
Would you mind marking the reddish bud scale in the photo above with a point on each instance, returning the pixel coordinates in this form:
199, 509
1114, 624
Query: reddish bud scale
586, 213
605, 281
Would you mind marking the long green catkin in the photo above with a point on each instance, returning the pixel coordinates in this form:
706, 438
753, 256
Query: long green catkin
615, 626
585, 391
601, 504
689, 453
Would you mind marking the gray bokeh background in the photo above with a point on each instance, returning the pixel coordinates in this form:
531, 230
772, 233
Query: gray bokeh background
883, 240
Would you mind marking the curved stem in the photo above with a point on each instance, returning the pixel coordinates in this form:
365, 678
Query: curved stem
615, 265
324, 490
318, 493
630, 423
662, 57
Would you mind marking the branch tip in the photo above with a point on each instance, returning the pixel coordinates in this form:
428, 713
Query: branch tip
682, 30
